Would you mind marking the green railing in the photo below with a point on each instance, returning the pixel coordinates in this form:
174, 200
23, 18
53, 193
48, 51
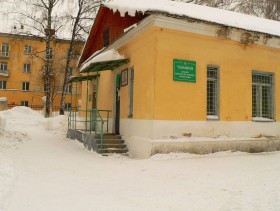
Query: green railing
90, 121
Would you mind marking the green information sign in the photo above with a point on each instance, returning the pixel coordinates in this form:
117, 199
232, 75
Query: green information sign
184, 70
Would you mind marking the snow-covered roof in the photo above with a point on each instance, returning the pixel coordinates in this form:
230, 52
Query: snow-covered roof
209, 14
102, 56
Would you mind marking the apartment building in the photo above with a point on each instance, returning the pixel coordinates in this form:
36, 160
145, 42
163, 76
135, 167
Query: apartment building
22, 70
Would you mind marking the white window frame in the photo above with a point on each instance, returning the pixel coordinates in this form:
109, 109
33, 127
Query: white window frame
5, 50
68, 88
25, 86
263, 95
24, 103
213, 99
27, 49
67, 106
26, 68
3, 85
4, 66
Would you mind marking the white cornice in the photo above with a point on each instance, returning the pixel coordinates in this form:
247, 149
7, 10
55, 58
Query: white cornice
195, 27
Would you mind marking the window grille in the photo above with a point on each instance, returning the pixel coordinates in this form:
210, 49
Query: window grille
262, 95
3, 84
27, 49
212, 91
5, 48
25, 86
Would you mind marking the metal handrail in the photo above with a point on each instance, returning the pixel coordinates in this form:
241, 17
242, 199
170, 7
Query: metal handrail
95, 117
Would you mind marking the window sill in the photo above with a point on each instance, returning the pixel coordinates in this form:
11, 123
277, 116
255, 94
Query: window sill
261, 119
212, 117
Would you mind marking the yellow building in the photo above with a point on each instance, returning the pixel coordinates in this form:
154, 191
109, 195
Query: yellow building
180, 75
22, 70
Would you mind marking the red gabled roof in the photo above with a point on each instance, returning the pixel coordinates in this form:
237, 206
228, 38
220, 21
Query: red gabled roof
106, 18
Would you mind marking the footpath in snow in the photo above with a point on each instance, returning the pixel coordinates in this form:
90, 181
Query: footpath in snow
41, 170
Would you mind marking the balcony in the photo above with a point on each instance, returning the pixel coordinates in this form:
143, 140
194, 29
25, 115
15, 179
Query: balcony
4, 73
4, 54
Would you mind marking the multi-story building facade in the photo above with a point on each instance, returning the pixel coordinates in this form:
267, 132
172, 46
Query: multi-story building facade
22, 60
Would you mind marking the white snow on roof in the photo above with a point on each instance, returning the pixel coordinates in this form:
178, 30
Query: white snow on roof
99, 56
199, 12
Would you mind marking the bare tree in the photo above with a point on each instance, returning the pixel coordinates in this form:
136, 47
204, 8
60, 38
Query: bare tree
85, 14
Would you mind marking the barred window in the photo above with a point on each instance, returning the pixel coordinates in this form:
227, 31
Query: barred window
262, 95
212, 91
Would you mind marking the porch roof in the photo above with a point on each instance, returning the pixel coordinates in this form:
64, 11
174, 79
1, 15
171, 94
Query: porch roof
105, 65
81, 78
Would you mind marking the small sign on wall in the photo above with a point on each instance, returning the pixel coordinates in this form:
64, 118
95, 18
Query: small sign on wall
124, 77
184, 70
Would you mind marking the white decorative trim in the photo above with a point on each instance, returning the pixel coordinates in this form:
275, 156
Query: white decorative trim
260, 119
201, 28
212, 117
161, 129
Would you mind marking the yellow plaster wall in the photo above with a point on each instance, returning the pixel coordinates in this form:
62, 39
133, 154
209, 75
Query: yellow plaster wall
187, 101
141, 52
17, 59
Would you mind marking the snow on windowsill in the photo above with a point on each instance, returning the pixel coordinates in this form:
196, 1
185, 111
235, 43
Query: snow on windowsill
213, 117
261, 119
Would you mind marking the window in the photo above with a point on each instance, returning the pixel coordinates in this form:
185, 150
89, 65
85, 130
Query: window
3, 66
67, 106
49, 54
24, 103
106, 37
3, 84
212, 92
26, 68
5, 48
131, 88
25, 86
262, 95
68, 88
27, 49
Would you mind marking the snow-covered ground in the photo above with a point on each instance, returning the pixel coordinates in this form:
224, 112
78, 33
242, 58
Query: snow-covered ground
41, 170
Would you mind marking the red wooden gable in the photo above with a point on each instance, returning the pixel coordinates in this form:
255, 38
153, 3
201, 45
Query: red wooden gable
107, 19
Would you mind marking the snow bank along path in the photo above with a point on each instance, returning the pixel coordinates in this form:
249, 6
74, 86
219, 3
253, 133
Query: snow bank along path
42, 170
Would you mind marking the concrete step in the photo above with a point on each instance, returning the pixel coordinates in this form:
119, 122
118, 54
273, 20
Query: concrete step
109, 146
108, 136
110, 141
112, 150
